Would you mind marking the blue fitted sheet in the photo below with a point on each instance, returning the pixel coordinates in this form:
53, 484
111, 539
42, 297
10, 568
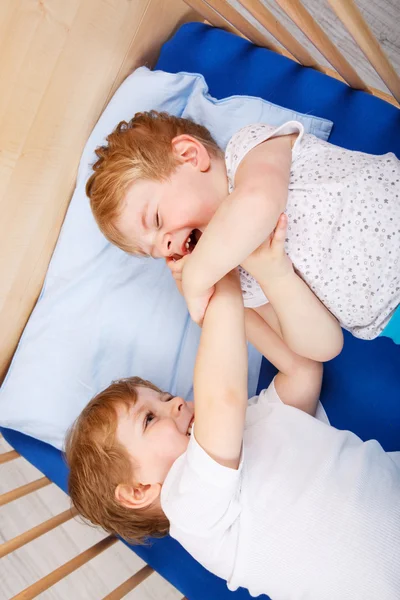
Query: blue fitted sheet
361, 388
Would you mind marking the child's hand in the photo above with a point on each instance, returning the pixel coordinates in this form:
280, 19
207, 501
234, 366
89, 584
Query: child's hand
196, 303
176, 268
270, 259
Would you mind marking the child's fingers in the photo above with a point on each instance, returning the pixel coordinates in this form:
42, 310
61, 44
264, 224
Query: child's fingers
174, 265
170, 263
176, 274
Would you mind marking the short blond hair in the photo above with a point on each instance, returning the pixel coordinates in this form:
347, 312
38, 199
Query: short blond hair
99, 463
138, 149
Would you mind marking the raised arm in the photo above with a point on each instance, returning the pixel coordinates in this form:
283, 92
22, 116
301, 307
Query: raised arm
244, 219
299, 378
220, 376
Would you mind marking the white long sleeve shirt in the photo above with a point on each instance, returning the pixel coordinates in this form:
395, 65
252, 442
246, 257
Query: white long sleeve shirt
312, 513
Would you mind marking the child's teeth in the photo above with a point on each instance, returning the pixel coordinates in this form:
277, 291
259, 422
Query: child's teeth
187, 245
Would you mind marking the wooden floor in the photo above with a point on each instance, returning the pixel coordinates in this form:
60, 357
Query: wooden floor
95, 580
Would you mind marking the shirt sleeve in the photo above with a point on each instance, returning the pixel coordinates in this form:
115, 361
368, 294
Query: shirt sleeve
200, 496
251, 136
269, 395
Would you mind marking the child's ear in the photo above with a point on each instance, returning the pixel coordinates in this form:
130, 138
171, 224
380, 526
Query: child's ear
137, 496
189, 150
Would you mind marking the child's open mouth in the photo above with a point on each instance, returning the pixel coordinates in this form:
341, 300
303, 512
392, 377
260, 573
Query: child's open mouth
191, 241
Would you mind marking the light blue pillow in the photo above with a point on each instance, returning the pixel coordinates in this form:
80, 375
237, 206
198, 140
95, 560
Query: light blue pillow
103, 314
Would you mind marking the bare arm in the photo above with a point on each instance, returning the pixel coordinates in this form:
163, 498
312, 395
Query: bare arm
300, 378
220, 377
245, 218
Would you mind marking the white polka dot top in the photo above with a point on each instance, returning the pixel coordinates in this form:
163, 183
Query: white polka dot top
343, 226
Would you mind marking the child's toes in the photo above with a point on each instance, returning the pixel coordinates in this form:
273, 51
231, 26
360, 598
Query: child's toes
280, 229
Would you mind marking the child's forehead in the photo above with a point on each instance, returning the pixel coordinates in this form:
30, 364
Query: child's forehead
143, 396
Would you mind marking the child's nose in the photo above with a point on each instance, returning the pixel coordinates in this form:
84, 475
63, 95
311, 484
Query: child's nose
166, 245
177, 405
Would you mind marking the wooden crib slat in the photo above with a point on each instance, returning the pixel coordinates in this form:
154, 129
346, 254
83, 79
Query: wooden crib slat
247, 29
69, 567
23, 490
210, 15
303, 19
35, 532
7, 456
271, 24
352, 19
129, 584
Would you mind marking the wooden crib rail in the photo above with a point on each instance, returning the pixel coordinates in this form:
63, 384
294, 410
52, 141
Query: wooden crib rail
129, 584
269, 22
208, 14
7, 456
354, 22
221, 14
317, 36
43, 584
23, 490
35, 532
222, 9
69, 567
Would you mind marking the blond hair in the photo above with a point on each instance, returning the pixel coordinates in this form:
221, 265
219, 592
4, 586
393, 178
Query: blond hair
99, 463
138, 149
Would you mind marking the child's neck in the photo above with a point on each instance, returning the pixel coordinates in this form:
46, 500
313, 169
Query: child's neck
220, 179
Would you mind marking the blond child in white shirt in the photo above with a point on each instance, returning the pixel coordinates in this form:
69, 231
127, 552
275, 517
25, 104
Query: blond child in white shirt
265, 496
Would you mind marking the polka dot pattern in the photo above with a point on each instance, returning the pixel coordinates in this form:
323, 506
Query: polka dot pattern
343, 226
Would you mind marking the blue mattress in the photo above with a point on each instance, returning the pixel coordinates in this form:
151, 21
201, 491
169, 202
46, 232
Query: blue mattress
361, 389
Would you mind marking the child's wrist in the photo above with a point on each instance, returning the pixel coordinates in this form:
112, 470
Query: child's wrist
272, 278
230, 284
192, 282
188, 279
